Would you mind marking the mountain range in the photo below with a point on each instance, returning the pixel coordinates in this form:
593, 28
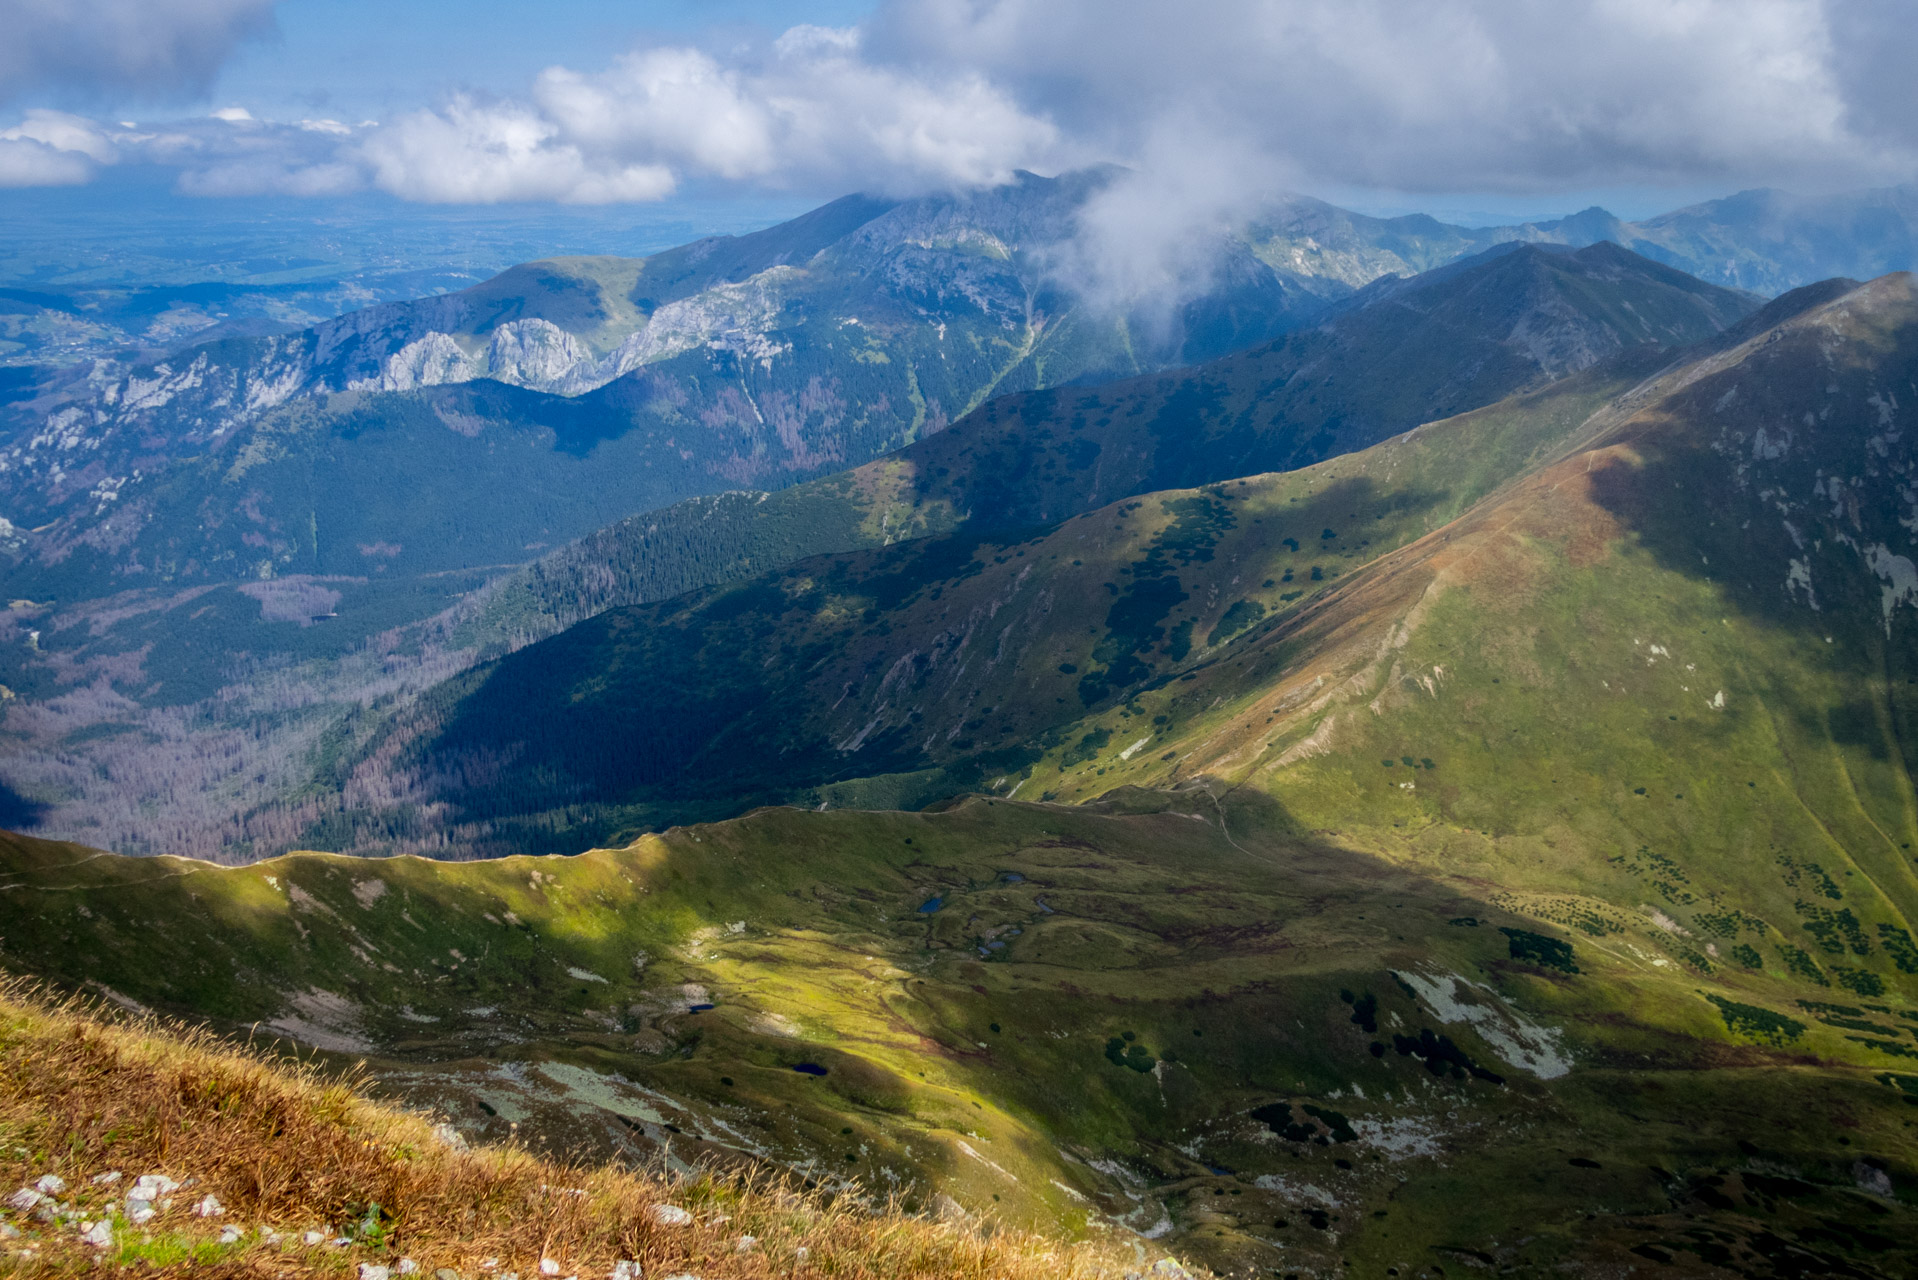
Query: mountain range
962, 660
1512, 322
1390, 358
1486, 848
614, 385
1401, 767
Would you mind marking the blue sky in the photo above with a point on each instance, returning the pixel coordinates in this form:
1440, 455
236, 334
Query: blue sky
1457, 107
373, 57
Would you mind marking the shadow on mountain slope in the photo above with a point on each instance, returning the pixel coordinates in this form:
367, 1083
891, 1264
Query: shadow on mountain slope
1180, 1011
1403, 352
1579, 693
1797, 473
955, 659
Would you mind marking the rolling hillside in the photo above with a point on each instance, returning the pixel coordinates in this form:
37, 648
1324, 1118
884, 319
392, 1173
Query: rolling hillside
958, 652
1167, 1014
1488, 849
294, 1174
948, 661
244, 687
1463, 649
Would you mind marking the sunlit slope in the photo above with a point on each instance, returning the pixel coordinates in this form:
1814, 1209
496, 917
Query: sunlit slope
1535, 874
944, 663
357, 626
1667, 678
1159, 1012
292, 1174
1618, 688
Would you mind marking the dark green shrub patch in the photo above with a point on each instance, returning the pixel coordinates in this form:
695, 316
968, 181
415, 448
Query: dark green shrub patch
1836, 931
1337, 1126
1660, 872
1086, 748
1801, 963
1907, 1085
1754, 1023
1241, 615
1442, 1057
1728, 923
1846, 1016
1179, 644
1365, 1010
1124, 1051
1899, 946
1536, 948
1809, 874
1863, 981
1277, 1116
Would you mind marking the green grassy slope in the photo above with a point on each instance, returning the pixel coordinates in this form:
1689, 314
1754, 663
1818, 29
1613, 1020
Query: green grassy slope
898, 675
1750, 500
1623, 691
942, 662
1654, 689
1268, 1050
337, 540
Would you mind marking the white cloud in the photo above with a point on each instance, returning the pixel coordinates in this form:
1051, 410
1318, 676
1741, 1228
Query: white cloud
665, 103
25, 163
476, 153
807, 113
121, 49
52, 149
1410, 95
218, 155
1151, 237
1215, 101
1435, 94
63, 132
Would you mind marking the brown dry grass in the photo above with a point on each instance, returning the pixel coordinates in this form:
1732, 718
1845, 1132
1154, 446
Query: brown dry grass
286, 1149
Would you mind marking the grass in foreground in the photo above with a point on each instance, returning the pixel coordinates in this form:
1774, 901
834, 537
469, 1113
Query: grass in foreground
311, 1178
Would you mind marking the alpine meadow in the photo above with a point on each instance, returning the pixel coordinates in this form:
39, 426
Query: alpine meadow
715, 642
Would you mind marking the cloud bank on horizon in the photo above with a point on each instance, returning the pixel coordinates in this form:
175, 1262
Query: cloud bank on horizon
1215, 99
